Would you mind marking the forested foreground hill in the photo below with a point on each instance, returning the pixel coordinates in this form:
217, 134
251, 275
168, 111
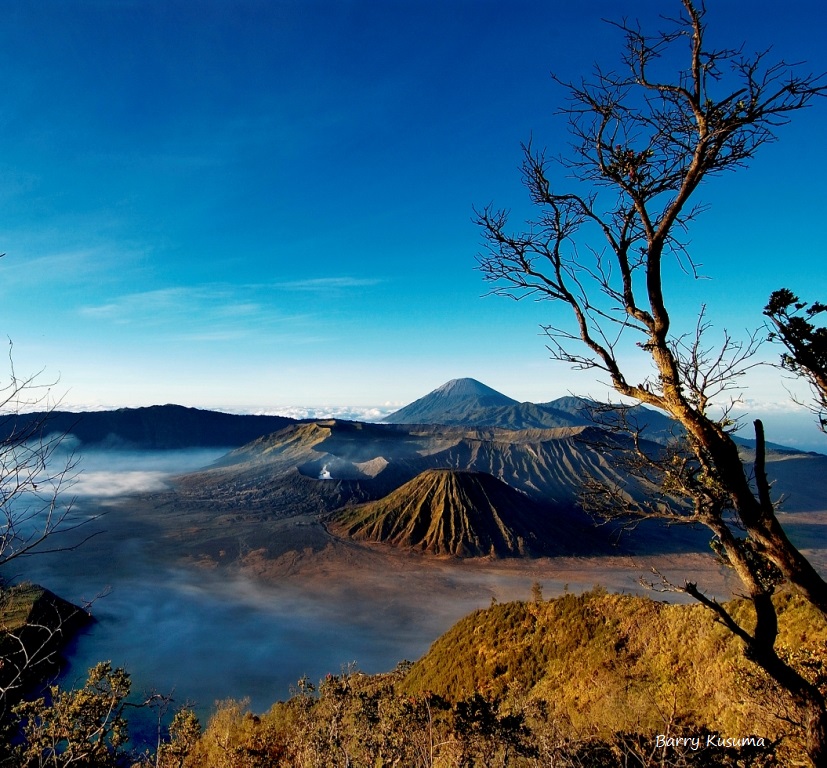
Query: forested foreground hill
581, 680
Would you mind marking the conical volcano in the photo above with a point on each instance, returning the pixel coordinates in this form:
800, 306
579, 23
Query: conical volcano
452, 512
454, 402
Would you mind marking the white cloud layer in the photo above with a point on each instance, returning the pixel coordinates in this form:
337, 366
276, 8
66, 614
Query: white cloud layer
349, 412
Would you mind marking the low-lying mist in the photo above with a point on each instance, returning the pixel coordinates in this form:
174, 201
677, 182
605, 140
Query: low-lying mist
196, 632
205, 632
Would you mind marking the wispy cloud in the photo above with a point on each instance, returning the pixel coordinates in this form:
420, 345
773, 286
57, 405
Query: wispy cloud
327, 283
157, 304
205, 314
222, 312
26, 265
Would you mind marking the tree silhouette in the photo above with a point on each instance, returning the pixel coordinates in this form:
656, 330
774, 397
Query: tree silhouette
679, 113
36, 516
806, 343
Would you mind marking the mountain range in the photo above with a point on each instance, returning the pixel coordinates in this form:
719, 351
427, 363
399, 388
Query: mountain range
451, 475
447, 490
471, 403
459, 402
463, 471
157, 427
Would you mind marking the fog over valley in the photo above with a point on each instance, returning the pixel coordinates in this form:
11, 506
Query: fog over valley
242, 523
204, 634
235, 569
211, 633
207, 631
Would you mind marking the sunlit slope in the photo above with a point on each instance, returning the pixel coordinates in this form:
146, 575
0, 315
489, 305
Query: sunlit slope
317, 468
456, 512
279, 474
617, 662
549, 465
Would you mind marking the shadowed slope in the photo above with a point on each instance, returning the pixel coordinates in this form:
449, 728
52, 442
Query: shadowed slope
158, 427
35, 624
450, 512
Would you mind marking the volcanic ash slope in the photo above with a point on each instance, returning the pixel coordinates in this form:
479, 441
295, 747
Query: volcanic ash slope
454, 512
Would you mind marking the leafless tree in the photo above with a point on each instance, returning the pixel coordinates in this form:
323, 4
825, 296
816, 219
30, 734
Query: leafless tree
36, 471
612, 214
36, 516
34, 626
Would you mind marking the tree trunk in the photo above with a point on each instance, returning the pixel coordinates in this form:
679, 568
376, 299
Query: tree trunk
816, 738
807, 697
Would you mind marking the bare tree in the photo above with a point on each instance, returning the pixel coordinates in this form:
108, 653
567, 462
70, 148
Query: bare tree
36, 472
679, 113
34, 626
36, 516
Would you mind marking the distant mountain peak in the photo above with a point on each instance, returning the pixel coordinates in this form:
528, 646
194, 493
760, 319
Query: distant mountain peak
470, 388
452, 400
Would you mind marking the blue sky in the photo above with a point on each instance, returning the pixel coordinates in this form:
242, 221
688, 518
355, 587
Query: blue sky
249, 204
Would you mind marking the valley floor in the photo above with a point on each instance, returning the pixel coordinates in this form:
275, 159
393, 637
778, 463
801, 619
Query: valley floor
301, 552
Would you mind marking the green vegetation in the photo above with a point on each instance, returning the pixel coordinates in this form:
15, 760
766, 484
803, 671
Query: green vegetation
17, 605
83, 727
613, 214
587, 679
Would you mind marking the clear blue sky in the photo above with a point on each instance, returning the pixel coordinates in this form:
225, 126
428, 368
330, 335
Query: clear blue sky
238, 203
